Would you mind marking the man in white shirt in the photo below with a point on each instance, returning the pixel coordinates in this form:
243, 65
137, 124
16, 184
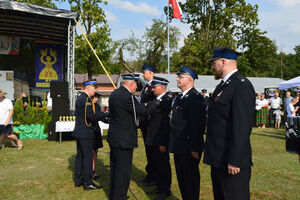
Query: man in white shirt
275, 103
6, 113
291, 111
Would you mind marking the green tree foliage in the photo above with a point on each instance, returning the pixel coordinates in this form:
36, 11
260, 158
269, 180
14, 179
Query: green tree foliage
156, 40
291, 64
151, 48
92, 18
45, 3
231, 23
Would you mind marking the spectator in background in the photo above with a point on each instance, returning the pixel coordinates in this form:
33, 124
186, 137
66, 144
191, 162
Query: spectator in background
275, 102
261, 111
287, 100
278, 115
206, 96
291, 111
6, 113
49, 102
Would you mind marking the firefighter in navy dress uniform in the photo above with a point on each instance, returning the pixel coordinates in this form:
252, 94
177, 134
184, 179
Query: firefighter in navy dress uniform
230, 120
122, 133
146, 96
86, 115
187, 125
158, 140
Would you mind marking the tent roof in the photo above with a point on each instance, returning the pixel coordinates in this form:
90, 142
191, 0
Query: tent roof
34, 22
295, 82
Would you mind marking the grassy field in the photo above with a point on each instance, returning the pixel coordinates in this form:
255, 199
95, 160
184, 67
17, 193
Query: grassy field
44, 170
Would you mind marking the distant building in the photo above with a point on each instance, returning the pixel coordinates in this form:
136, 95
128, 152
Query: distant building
104, 85
209, 83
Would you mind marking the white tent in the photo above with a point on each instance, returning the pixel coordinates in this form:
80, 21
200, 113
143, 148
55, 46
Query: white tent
295, 82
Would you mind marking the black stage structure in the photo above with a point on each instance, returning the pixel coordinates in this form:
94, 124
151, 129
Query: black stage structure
31, 23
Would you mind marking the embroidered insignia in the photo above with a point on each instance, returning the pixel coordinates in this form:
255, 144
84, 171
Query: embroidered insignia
227, 82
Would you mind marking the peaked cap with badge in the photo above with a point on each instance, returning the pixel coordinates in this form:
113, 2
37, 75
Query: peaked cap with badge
148, 67
130, 76
159, 81
91, 82
224, 52
188, 70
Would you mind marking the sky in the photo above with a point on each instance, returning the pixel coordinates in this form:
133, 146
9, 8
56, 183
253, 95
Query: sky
279, 18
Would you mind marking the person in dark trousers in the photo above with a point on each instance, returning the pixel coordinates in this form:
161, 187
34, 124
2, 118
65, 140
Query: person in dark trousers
122, 133
230, 119
146, 95
158, 139
187, 125
86, 115
97, 142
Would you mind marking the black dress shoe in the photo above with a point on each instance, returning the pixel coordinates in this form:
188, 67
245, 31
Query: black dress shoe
92, 187
149, 184
155, 191
163, 196
78, 184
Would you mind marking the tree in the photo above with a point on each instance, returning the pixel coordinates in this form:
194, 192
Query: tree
291, 66
217, 23
151, 48
156, 40
45, 3
92, 17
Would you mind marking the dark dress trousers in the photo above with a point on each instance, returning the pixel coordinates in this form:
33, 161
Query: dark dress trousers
122, 138
187, 126
145, 97
158, 133
86, 115
230, 120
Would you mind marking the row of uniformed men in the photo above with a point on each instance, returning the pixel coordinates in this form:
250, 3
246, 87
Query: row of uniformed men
177, 125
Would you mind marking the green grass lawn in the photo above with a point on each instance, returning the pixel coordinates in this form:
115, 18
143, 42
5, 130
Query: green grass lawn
44, 170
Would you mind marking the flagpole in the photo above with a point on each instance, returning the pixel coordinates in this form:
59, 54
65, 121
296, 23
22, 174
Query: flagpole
168, 40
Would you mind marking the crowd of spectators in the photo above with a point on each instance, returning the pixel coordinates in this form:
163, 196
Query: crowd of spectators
274, 112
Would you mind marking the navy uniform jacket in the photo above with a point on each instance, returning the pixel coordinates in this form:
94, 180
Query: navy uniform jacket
122, 130
230, 120
158, 130
85, 117
187, 123
145, 97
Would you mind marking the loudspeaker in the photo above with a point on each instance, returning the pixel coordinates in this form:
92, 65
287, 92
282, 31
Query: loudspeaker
60, 105
59, 89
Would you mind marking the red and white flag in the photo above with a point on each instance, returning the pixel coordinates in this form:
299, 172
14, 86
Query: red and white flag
177, 12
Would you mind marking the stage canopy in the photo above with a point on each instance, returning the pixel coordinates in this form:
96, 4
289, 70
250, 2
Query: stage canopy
35, 22
292, 83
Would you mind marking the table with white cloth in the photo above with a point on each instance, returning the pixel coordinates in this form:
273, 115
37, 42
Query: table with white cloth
68, 126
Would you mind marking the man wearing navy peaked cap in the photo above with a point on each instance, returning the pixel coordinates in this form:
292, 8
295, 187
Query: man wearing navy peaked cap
157, 139
86, 115
122, 133
146, 95
230, 120
188, 70
187, 126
